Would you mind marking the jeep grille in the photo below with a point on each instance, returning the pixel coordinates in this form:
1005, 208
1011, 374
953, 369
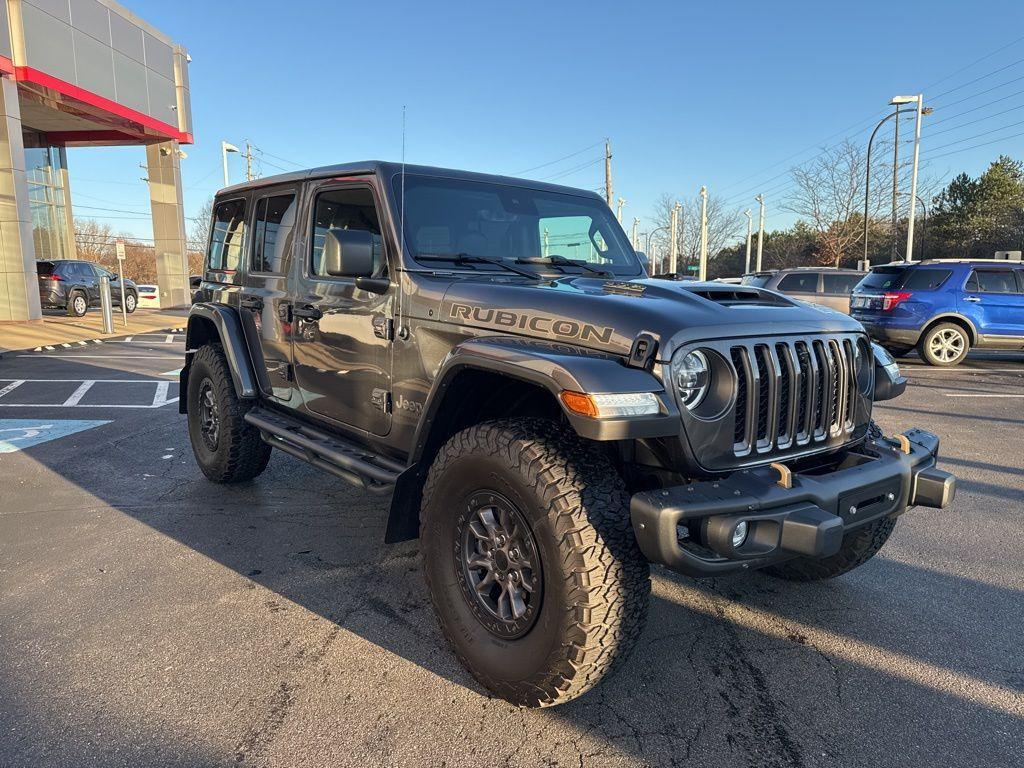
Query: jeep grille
793, 393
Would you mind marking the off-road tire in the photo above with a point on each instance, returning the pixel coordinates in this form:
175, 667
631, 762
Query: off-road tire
72, 311
240, 454
924, 345
859, 546
596, 583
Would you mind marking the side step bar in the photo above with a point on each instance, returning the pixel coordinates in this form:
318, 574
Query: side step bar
330, 453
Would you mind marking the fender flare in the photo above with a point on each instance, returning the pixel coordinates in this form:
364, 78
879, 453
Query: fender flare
554, 367
229, 330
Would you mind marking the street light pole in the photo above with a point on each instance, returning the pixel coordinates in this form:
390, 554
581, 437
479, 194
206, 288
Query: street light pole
702, 272
895, 181
746, 264
649, 252
225, 147
760, 231
913, 177
673, 246
636, 223
618, 214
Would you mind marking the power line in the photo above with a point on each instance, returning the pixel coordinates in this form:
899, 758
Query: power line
570, 171
554, 162
977, 79
982, 93
972, 122
975, 109
976, 146
977, 136
964, 68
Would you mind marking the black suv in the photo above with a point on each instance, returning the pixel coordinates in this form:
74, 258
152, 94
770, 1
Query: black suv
74, 286
490, 354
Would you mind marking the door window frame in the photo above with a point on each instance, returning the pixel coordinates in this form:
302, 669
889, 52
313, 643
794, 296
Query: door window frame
1018, 280
309, 234
817, 289
245, 197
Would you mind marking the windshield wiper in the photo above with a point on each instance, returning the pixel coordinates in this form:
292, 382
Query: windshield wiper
465, 258
556, 260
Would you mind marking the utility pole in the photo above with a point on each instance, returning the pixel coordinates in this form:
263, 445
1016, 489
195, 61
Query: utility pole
760, 231
636, 243
673, 245
895, 181
248, 161
702, 273
618, 214
750, 222
608, 172
913, 178
547, 242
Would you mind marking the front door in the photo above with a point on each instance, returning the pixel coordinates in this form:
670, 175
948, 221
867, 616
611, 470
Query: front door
263, 302
341, 334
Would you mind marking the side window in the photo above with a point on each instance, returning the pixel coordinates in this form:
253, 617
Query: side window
271, 236
926, 279
994, 281
226, 238
839, 284
350, 208
799, 282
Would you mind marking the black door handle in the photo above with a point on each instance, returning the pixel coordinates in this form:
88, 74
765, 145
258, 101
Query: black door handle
307, 312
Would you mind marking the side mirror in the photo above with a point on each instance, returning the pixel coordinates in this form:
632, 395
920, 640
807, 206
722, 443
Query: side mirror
348, 253
645, 261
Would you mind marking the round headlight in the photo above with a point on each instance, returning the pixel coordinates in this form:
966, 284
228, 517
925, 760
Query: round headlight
691, 376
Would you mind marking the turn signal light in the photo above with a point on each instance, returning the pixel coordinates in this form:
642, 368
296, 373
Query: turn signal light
605, 406
892, 299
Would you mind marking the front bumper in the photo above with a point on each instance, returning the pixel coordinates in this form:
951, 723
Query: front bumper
689, 528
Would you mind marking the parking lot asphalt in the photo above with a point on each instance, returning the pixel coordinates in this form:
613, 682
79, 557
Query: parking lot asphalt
151, 618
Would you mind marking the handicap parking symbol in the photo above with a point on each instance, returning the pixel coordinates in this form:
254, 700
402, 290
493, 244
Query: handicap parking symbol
19, 434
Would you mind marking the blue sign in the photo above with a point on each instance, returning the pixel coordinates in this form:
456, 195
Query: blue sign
18, 434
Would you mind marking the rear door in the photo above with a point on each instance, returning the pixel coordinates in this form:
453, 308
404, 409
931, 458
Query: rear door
341, 334
263, 297
994, 300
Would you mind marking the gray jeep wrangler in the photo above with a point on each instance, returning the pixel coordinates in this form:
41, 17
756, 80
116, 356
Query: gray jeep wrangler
491, 354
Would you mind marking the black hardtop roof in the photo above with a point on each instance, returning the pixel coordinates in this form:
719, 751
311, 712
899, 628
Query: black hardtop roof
387, 169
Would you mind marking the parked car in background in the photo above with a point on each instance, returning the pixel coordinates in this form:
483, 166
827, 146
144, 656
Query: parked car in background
827, 286
149, 296
944, 308
74, 286
193, 284
729, 280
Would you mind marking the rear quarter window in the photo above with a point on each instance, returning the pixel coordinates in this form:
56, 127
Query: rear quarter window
926, 279
799, 282
226, 236
839, 284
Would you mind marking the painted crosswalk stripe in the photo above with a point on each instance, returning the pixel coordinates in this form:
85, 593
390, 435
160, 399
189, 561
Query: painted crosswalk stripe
11, 387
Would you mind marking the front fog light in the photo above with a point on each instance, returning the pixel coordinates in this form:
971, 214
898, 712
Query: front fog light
691, 376
739, 534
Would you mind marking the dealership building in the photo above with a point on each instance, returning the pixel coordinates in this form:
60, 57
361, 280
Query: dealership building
84, 73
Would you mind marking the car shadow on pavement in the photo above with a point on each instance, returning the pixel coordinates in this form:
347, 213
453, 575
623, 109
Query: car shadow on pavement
749, 671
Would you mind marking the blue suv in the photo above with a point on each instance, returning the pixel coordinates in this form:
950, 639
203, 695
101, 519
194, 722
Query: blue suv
943, 307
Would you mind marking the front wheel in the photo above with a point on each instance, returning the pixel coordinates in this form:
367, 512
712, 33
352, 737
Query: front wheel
945, 345
530, 559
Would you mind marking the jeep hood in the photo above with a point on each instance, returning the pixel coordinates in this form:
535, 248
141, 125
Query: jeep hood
608, 315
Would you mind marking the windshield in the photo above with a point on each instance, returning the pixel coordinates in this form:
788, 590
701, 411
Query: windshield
757, 281
544, 230
882, 279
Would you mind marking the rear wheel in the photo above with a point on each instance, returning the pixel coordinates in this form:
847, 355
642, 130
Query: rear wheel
946, 344
78, 305
530, 559
130, 302
227, 448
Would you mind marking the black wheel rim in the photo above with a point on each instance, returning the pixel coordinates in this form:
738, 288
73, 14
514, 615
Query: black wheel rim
499, 565
209, 415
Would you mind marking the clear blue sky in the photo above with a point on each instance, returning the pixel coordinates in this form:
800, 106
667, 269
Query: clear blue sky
690, 93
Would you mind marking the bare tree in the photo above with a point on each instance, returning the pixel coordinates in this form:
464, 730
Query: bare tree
199, 227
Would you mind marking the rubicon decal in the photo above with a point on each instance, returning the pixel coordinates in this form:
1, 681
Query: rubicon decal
551, 326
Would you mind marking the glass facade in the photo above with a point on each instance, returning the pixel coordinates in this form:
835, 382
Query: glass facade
45, 168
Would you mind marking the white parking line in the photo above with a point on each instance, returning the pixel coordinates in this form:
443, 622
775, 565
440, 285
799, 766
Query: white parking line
981, 394
78, 394
11, 387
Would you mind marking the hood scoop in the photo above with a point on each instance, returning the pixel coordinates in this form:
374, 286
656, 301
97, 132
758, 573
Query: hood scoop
731, 295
